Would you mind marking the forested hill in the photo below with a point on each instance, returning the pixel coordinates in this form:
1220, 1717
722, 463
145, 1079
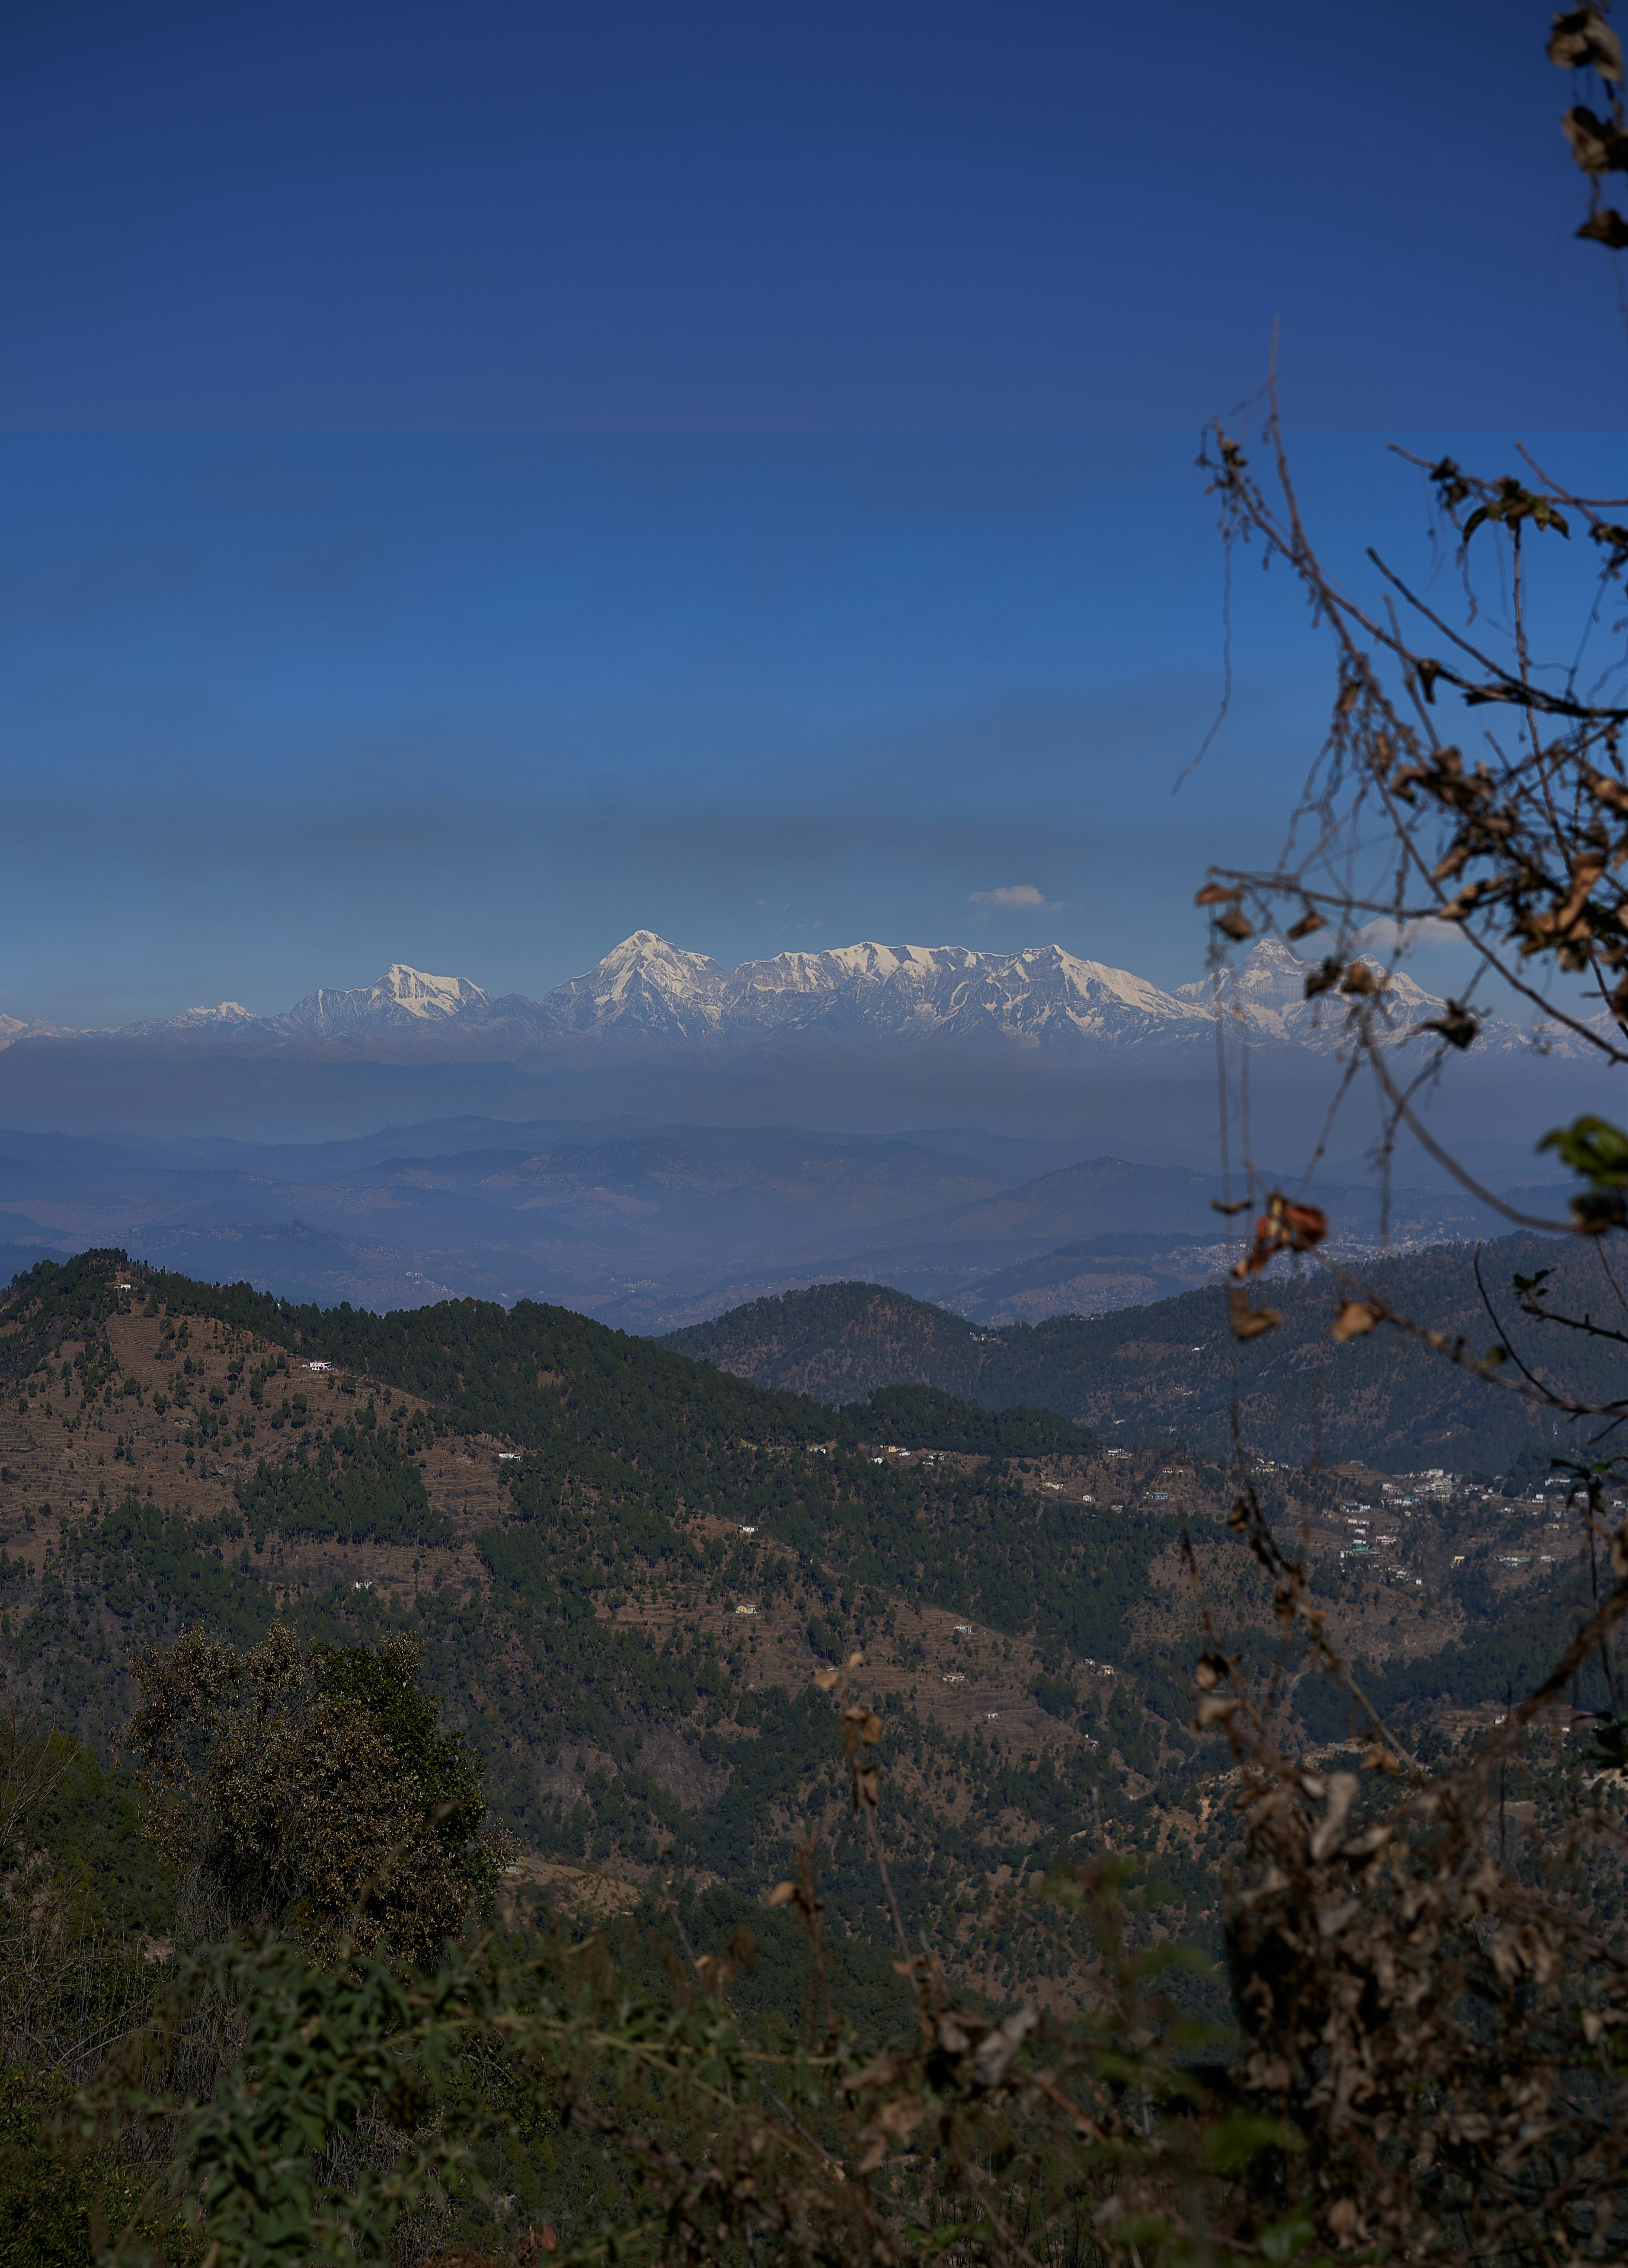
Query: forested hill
543, 1375
1136, 1375
534, 1373
840, 1341
624, 1568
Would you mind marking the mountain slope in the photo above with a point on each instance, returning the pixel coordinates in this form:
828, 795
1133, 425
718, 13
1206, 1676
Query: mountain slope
403, 1000
622, 1568
568, 1520
1099, 1194
1173, 1366
839, 1342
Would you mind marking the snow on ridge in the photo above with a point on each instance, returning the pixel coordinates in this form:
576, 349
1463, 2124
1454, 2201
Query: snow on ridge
1272, 977
228, 1012
422, 995
403, 995
646, 958
32, 1027
645, 985
1039, 994
1269, 986
646, 992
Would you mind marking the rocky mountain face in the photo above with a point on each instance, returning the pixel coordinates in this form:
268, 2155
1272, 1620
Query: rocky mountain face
28, 1028
648, 1000
403, 1001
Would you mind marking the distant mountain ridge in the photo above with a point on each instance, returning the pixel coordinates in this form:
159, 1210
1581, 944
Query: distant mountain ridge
1170, 1371
653, 1226
840, 1344
649, 1000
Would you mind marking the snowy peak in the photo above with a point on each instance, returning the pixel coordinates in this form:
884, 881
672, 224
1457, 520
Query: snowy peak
1269, 986
30, 1027
642, 986
651, 1000
646, 991
228, 1012
418, 995
1269, 976
229, 1021
402, 996
1036, 997
646, 959
1096, 981
768, 991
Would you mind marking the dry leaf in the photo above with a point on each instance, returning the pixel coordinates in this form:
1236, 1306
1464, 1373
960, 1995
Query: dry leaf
1342, 1787
1309, 924
1235, 924
716, 1971
826, 1678
1285, 1226
1246, 1321
1607, 227
1583, 40
1217, 894
1595, 142
1306, 1224
783, 1893
1249, 1322
1458, 1027
900, 2115
1355, 1317
995, 2051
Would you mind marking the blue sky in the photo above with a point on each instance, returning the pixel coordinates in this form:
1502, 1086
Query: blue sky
475, 483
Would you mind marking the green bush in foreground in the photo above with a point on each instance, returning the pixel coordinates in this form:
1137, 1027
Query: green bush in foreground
61, 2207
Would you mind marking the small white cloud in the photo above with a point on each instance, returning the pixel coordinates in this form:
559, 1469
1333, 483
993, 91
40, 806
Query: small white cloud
1383, 935
1015, 894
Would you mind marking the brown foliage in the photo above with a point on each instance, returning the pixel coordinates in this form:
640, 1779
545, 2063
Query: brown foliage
1442, 2030
290, 1801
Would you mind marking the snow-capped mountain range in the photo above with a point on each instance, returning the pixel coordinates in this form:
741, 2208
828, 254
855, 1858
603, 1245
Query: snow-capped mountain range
648, 999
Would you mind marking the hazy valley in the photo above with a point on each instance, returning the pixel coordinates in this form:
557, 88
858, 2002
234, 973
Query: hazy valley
653, 1227
1075, 1182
